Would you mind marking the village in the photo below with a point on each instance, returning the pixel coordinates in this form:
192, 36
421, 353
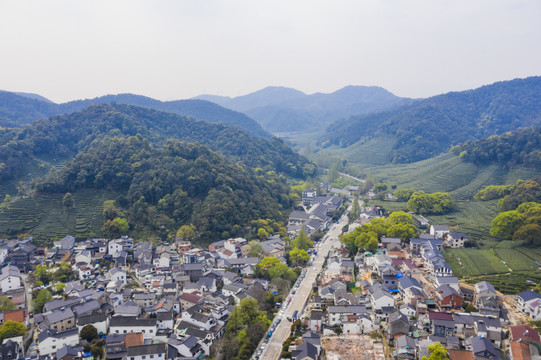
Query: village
135, 300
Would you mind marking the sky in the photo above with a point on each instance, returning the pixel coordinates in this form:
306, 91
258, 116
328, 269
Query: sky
67, 50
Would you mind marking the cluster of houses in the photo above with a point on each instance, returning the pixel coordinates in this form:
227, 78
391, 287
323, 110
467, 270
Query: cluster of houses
408, 292
318, 215
170, 301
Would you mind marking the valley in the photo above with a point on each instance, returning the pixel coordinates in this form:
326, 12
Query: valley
278, 222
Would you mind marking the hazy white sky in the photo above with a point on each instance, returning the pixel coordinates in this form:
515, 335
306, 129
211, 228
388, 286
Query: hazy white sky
67, 50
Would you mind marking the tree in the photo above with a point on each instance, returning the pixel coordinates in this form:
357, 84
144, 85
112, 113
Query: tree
262, 234
116, 227
529, 233
506, 223
298, 257
97, 351
364, 238
11, 329
355, 210
256, 250
88, 333
403, 231
333, 172
419, 202
43, 297
187, 232
380, 187
42, 274
6, 304
60, 287
436, 352
110, 210
400, 217
68, 201
302, 241
403, 194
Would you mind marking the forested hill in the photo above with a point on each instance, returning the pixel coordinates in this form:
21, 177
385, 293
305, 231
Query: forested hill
17, 110
431, 126
63, 136
280, 109
521, 147
176, 184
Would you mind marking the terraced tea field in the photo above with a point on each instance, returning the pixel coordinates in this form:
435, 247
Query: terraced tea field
516, 259
44, 217
474, 262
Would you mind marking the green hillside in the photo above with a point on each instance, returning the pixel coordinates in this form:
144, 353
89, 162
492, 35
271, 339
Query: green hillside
65, 135
431, 126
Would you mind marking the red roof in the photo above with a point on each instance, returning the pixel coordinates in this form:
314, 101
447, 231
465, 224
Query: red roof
520, 350
434, 315
525, 332
16, 315
193, 298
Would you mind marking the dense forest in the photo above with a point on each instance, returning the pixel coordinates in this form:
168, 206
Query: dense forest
521, 147
66, 135
18, 110
431, 126
172, 185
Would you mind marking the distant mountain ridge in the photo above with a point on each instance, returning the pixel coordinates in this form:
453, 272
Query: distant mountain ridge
280, 109
19, 109
428, 127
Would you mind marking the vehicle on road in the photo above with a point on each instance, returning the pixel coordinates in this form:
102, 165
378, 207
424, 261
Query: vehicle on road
294, 317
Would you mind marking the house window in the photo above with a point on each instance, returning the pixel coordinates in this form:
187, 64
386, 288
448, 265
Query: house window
152, 356
144, 357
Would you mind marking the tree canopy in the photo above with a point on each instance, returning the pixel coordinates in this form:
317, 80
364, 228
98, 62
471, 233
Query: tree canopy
435, 203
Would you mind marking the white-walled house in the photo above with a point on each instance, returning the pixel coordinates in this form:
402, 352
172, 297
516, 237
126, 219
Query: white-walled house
100, 321
145, 352
114, 247
50, 340
84, 256
534, 309
525, 298
439, 230
124, 325
10, 278
118, 275
381, 299
3, 254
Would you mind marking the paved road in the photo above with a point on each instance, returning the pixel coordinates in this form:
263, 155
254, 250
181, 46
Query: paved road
274, 347
352, 177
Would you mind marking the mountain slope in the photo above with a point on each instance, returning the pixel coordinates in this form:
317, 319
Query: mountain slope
169, 185
428, 127
280, 109
16, 110
66, 135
